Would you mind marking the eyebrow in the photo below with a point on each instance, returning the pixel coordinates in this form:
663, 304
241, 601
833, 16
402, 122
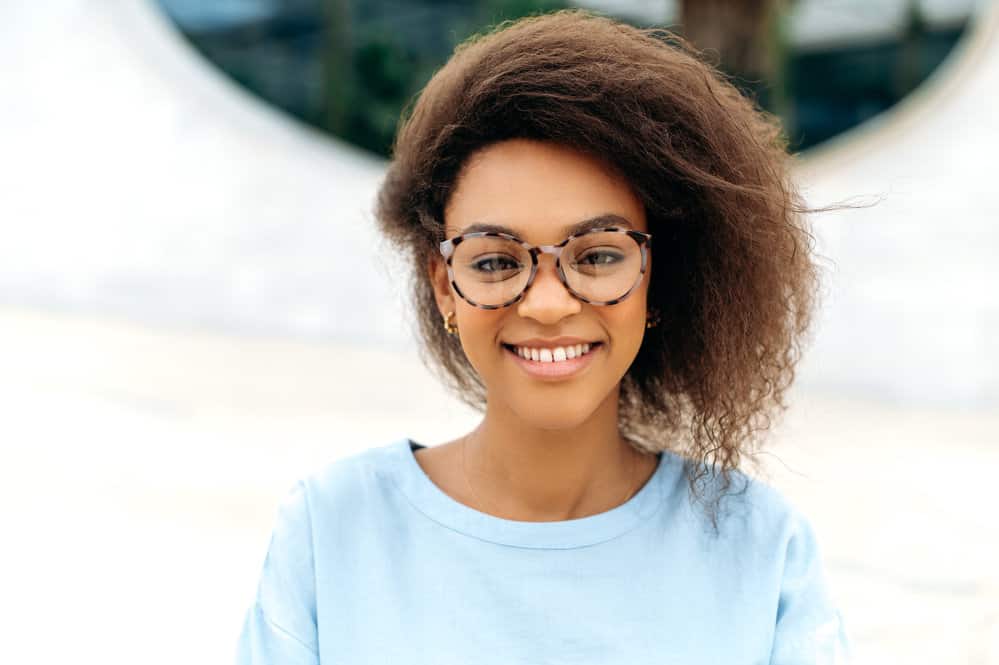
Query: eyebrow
607, 219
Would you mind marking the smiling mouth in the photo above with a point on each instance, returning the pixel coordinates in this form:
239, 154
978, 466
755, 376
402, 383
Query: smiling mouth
554, 355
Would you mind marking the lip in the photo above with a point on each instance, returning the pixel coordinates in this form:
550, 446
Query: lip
555, 371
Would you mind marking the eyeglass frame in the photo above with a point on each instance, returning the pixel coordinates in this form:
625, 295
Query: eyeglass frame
448, 246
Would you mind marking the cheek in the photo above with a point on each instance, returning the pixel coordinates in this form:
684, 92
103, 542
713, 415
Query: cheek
479, 330
626, 327
628, 317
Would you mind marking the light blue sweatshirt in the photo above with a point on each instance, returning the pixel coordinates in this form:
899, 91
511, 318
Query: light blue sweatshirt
370, 562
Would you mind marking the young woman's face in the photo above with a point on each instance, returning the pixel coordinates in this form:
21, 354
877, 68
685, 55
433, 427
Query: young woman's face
537, 190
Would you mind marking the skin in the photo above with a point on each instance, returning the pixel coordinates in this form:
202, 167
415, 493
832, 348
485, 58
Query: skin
544, 450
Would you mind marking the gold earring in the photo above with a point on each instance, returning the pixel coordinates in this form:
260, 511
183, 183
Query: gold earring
652, 319
448, 326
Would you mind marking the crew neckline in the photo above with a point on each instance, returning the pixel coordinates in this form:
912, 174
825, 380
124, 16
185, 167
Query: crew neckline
440, 507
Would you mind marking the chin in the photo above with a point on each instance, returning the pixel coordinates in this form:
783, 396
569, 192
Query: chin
553, 412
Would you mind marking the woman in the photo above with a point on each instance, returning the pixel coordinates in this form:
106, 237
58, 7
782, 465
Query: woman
597, 513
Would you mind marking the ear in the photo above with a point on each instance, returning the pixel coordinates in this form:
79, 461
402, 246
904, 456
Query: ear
437, 272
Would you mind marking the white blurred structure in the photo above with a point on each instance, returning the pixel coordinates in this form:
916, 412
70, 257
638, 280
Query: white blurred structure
913, 308
141, 183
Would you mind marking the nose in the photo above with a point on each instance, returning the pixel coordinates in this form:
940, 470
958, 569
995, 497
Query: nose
547, 300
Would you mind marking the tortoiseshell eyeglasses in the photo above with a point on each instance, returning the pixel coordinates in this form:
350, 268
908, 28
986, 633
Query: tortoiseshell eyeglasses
600, 266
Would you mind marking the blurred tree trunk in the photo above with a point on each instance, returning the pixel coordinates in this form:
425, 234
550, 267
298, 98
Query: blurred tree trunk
908, 69
338, 66
737, 30
748, 39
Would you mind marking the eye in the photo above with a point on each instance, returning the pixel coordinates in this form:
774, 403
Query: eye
599, 257
495, 263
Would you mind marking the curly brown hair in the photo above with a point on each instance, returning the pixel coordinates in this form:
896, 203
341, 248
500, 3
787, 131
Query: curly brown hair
735, 282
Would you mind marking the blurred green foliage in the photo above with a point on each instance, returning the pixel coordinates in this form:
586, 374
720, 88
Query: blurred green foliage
350, 67
376, 62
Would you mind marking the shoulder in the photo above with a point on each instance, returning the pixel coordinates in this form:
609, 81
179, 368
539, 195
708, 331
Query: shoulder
759, 531
767, 538
350, 479
749, 510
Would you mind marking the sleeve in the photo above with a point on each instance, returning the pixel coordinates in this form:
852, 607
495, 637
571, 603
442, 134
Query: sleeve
810, 629
280, 626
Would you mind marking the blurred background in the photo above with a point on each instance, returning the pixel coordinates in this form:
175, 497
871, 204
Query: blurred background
195, 310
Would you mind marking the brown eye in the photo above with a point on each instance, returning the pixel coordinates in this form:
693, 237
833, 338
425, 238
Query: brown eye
497, 263
594, 258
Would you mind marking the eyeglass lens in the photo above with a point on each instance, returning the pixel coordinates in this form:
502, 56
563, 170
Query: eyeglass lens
599, 266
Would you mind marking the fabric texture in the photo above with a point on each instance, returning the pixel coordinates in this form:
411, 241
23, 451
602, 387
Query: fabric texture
370, 562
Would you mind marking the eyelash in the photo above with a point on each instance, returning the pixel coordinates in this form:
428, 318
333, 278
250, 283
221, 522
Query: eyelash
482, 261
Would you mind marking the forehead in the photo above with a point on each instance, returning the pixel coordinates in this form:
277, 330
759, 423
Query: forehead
540, 192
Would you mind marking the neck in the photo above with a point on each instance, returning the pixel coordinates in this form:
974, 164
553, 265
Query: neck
527, 473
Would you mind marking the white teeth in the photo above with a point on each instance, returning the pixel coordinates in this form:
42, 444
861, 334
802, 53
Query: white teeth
558, 354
